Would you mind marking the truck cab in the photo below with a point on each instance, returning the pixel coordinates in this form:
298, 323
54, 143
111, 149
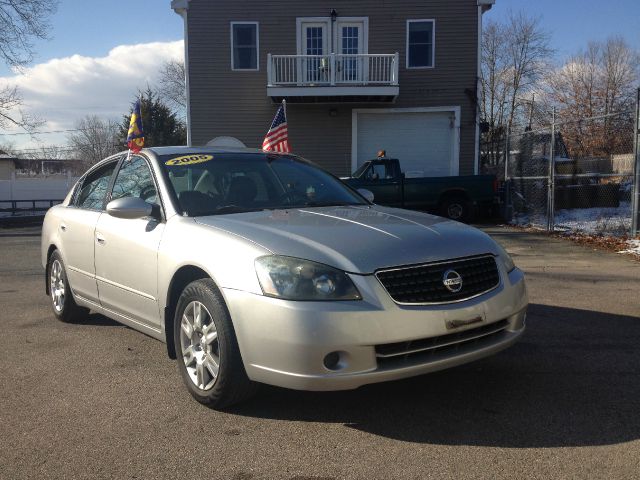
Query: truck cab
455, 197
384, 178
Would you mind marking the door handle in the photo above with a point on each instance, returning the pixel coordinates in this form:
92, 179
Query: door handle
100, 239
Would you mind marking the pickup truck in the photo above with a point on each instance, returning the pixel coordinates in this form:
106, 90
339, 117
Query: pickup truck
459, 198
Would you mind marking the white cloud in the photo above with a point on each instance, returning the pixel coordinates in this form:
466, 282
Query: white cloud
63, 90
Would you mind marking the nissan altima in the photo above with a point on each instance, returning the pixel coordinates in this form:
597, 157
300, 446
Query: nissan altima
258, 267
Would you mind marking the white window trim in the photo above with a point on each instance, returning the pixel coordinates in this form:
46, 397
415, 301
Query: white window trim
233, 68
456, 110
333, 36
433, 44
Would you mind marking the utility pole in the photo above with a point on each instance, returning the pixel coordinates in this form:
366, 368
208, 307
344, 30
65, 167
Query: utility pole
635, 200
552, 171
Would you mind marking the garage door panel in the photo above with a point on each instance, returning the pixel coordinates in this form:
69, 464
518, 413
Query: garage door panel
423, 141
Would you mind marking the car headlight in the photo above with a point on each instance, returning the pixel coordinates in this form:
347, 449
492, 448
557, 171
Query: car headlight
295, 279
506, 259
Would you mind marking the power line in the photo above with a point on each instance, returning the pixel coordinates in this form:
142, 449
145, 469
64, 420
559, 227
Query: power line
58, 148
44, 132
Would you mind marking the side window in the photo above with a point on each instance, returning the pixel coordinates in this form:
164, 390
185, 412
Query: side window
134, 180
376, 172
420, 43
244, 45
94, 188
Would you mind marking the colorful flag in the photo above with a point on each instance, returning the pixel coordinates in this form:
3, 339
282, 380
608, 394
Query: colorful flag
135, 137
277, 139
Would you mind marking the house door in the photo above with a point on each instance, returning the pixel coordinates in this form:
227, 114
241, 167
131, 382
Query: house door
315, 45
350, 44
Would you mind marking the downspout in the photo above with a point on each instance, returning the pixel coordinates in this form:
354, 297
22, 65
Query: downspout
181, 7
476, 167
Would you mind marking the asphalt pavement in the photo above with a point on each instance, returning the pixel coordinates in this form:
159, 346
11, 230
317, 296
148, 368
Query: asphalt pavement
100, 400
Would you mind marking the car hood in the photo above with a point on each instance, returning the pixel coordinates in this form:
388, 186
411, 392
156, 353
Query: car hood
358, 239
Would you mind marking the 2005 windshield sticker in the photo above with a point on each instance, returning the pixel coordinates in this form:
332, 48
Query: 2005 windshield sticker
188, 160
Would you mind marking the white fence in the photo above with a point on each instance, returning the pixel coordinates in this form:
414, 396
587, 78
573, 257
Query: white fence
54, 187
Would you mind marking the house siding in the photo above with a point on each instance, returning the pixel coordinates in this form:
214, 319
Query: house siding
235, 103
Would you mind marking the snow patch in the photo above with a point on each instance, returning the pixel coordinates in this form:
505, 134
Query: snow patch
634, 247
603, 220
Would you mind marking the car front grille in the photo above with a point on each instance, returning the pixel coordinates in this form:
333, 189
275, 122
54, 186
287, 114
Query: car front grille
424, 284
425, 350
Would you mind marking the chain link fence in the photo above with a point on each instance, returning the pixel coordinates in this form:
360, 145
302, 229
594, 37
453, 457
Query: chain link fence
575, 175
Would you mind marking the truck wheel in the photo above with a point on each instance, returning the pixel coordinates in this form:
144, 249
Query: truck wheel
209, 359
456, 208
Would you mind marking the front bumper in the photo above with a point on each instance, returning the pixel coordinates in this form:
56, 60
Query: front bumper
284, 343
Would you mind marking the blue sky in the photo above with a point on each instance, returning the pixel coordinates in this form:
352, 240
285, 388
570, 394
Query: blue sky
92, 28
573, 23
101, 52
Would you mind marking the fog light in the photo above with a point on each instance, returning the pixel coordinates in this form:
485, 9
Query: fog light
332, 361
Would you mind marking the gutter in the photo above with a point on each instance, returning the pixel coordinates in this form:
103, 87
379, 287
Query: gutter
486, 5
181, 7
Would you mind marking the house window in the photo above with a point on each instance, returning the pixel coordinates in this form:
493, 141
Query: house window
244, 45
420, 43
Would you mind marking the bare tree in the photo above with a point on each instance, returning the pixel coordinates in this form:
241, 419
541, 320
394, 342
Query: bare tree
528, 55
21, 22
47, 152
11, 112
171, 85
596, 82
515, 56
620, 64
8, 147
95, 139
495, 87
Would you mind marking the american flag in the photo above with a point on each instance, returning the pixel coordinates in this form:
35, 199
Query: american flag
277, 139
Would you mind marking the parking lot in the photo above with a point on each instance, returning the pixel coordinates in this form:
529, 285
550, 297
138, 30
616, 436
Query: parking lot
100, 400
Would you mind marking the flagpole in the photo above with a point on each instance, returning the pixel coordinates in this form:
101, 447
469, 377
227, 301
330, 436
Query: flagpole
284, 105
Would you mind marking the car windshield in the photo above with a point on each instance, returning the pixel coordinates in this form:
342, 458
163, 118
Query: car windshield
220, 183
358, 173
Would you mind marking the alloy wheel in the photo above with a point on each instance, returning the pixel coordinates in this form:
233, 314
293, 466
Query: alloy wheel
200, 346
56, 286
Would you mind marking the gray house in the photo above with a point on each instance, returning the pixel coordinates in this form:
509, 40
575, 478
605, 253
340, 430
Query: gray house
358, 76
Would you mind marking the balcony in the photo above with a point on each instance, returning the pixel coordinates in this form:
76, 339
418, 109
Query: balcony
333, 78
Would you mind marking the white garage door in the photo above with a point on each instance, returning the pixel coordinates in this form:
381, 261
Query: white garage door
422, 141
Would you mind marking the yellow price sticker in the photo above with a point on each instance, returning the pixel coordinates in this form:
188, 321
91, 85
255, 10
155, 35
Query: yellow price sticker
188, 160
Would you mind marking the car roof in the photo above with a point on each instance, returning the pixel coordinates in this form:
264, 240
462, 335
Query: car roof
183, 150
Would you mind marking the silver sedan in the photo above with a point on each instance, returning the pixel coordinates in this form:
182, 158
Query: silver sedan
262, 268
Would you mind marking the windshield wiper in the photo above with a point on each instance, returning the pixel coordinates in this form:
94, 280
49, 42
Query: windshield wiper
234, 209
330, 204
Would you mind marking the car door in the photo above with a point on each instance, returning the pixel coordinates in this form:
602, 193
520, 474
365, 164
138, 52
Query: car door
126, 256
386, 188
77, 230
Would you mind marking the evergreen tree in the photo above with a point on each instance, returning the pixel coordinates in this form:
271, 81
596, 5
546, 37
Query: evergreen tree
160, 125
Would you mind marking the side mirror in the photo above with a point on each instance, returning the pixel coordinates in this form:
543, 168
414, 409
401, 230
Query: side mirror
129, 207
367, 194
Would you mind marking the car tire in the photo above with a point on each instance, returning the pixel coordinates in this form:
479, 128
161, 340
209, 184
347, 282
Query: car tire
62, 302
455, 208
207, 351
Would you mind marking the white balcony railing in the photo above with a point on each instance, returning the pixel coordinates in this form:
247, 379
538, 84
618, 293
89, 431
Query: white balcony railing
332, 70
